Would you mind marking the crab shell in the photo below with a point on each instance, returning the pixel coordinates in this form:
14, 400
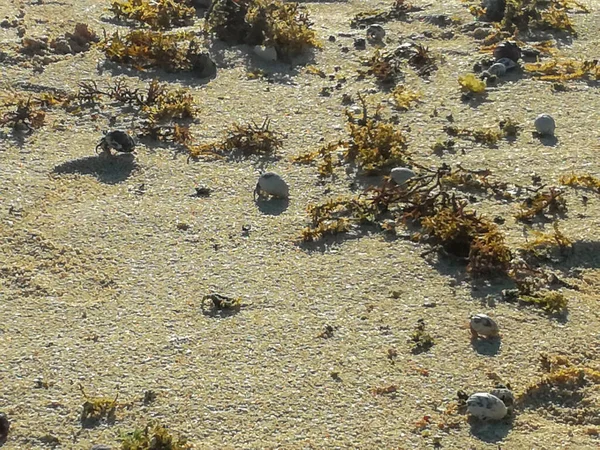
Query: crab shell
507, 50
483, 325
486, 406
272, 184
118, 140
401, 175
545, 125
497, 69
506, 395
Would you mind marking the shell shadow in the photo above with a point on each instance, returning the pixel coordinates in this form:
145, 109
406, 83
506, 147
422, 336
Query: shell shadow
548, 141
110, 170
272, 206
491, 431
487, 347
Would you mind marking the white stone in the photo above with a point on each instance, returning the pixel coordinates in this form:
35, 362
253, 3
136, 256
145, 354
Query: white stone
497, 69
266, 53
545, 125
401, 175
272, 184
483, 325
486, 406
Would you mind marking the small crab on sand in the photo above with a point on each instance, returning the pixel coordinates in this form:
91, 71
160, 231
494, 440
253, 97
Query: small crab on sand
271, 184
118, 140
483, 325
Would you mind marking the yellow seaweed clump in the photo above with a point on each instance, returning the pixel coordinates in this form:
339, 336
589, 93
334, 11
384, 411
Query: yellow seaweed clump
470, 83
261, 22
153, 437
143, 49
157, 14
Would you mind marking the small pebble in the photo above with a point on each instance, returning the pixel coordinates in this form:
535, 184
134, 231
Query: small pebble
401, 175
545, 125
360, 44
266, 53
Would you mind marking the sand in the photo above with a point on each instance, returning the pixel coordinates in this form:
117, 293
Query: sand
101, 288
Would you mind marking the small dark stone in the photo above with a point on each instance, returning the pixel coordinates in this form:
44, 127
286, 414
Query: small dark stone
345, 49
203, 191
499, 220
4, 427
360, 44
332, 38
203, 66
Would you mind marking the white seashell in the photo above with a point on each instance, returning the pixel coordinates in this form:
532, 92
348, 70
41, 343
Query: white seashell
507, 62
483, 325
545, 125
497, 69
486, 406
401, 175
375, 33
272, 184
266, 53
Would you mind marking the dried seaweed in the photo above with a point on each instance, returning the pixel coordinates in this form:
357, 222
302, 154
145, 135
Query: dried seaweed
157, 14
153, 437
538, 205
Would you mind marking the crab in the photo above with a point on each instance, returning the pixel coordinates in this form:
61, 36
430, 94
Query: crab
484, 326
271, 184
118, 140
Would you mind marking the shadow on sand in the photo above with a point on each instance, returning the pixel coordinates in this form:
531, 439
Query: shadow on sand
107, 169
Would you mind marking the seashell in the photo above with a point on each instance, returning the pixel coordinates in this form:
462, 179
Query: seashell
497, 69
401, 175
266, 53
508, 63
483, 325
272, 184
545, 125
504, 394
507, 49
486, 406
118, 140
375, 33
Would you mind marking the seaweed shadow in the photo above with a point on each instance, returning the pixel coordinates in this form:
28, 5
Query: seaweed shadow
110, 170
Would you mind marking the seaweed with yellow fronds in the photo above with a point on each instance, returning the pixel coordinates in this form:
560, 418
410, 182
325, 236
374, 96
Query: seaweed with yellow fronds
153, 437
403, 98
581, 181
565, 69
383, 66
524, 15
548, 201
284, 26
574, 388
96, 409
241, 140
487, 136
324, 156
143, 49
398, 10
157, 14
471, 84
544, 243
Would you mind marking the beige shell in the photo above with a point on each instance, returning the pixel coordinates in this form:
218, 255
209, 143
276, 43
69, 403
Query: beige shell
484, 325
272, 184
